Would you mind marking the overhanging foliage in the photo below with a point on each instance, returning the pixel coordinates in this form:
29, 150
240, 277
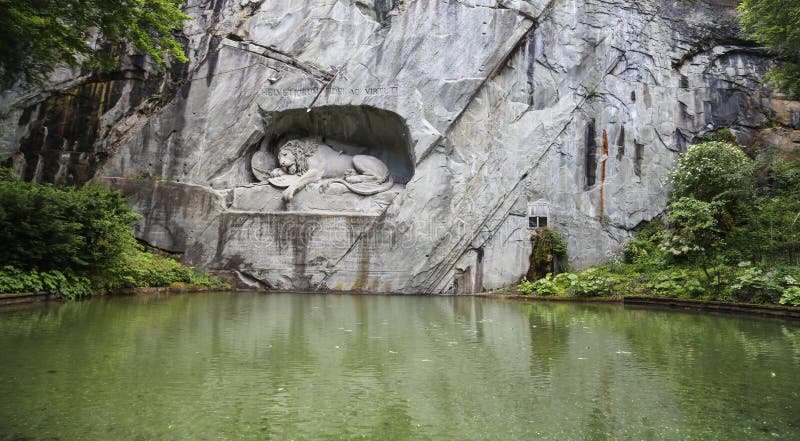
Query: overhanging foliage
38, 34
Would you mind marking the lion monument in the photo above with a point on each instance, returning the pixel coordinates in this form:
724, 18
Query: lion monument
303, 161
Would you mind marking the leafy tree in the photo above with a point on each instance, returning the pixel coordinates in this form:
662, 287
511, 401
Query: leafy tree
712, 192
712, 171
776, 23
38, 34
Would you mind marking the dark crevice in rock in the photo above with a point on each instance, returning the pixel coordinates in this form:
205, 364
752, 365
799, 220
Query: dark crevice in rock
638, 157
378, 10
253, 7
737, 46
384, 7
27, 113
621, 144
680, 141
530, 49
212, 59
590, 164
217, 6
160, 251
478, 271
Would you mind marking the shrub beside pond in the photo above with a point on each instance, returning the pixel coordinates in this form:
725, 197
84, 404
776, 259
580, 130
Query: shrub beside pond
742, 284
75, 241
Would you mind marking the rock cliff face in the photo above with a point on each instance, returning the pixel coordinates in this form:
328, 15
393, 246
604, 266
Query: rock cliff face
479, 109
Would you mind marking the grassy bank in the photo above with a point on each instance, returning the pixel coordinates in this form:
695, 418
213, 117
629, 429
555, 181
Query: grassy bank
75, 242
738, 284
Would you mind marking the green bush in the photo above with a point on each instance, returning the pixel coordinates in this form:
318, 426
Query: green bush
44, 228
593, 282
754, 286
644, 250
545, 286
719, 135
71, 241
67, 285
791, 296
679, 283
141, 269
638, 251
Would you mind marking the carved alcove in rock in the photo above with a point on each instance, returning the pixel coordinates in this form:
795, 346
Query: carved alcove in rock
354, 130
344, 132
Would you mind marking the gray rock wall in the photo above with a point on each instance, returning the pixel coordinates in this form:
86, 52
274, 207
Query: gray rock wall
479, 108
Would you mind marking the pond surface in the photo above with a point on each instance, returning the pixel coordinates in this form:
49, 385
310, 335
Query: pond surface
333, 367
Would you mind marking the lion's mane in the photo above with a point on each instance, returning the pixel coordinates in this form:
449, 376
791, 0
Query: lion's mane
301, 150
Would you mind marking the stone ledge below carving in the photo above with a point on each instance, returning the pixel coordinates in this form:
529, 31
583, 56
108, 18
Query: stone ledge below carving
313, 199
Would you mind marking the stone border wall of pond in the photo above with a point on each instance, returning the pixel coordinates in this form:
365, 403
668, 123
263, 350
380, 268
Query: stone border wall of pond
25, 297
789, 312
33, 297
707, 305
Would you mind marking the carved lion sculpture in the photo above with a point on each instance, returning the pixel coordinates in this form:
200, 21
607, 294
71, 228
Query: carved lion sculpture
311, 161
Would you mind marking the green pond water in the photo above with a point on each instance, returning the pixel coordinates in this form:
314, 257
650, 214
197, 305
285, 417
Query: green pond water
333, 367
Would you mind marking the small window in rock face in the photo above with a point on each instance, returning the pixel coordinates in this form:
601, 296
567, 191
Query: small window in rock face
538, 212
537, 222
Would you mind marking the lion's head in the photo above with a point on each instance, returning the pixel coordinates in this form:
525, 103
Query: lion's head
293, 156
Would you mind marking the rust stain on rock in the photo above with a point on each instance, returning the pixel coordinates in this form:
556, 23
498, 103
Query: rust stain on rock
603, 160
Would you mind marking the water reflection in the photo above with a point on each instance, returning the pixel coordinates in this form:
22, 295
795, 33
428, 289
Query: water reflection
250, 366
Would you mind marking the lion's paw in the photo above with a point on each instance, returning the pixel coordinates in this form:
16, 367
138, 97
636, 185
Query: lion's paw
288, 194
356, 179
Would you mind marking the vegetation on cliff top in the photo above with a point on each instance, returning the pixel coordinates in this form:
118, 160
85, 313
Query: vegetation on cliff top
776, 24
72, 241
39, 34
731, 232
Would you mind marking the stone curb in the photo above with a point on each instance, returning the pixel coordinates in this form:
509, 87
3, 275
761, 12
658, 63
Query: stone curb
790, 312
709, 305
32, 297
25, 297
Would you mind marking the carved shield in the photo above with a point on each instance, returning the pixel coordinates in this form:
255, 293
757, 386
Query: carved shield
284, 181
262, 164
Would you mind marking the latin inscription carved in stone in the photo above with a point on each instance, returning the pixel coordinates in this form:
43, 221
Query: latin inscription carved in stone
313, 91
